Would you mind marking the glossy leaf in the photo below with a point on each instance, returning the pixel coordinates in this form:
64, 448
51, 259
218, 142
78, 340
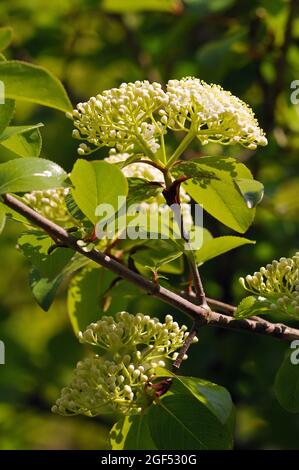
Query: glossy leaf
30, 174
6, 35
252, 190
287, 383
24, 81
215, 397
7, 110
213, 184
218, 246
97, 183
186, 418
25, 141
132, 433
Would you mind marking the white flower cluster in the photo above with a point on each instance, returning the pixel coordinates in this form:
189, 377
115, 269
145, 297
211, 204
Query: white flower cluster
150, 173
100, 386
51, 204
134, 117
135, 346
278, 282
121, 118
128, 331
215, 114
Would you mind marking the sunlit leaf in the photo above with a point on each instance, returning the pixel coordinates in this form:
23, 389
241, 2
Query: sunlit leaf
213, 184
29, 174
132, 433
218, 246
35, 246
25, 141
24, 81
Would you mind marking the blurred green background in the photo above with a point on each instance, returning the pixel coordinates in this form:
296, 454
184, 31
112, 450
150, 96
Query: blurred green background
249, 47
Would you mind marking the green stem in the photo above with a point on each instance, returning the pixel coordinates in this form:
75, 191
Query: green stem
163, 149
181, 148
197, 283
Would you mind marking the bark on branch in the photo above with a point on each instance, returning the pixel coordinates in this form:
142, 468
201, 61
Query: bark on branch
199, 314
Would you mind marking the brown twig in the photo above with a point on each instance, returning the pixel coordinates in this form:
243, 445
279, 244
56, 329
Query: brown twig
193, 332
196, 312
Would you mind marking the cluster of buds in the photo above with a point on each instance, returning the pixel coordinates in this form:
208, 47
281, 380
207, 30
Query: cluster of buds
150, 173
134, 347
51, 204
122, 118
278, 283
134, 117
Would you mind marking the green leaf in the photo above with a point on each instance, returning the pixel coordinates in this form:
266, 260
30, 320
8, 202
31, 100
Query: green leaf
119, 6
252, 190
6, 35
287, 383
35, 246
132, 433
73, 209
252, 305
213, 184
218, 246
215, 397
30, 174
192, 416
7, 110
140, 190
2, 219
13, 215
45, 289
25, 141
97, 183
156, 254
29, 82
86, 296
